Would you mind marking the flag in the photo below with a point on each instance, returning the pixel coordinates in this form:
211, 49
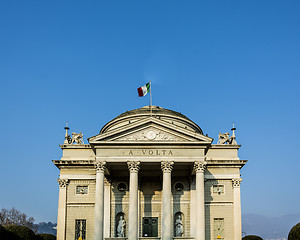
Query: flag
142, 91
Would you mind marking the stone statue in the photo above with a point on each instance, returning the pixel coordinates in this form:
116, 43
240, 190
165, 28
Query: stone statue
76, 138
223, 138
121, 227
178, 226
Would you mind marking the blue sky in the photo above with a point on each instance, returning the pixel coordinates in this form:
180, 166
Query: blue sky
214, 61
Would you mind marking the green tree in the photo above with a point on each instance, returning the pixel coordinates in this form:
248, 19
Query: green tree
252, 237
45, 236
295, 232
21, 232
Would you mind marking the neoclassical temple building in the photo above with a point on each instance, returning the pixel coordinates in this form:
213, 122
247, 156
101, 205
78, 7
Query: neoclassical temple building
150, 174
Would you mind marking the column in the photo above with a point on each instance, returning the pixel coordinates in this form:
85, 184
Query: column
199, 168
99, 200
107, 186
134, 168
237, 218
62, 207
166, 215
193, 205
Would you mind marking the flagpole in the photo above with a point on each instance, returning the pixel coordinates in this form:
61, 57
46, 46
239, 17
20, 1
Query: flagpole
150, 99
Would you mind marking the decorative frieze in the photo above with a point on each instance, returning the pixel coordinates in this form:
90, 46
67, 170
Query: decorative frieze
167, 166
236, 182
199, 166
63, 182
100, 166
133, 166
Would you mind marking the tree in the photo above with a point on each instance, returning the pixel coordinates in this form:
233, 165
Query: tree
15, 217
45, 236
295, 232
252, 237
24, 233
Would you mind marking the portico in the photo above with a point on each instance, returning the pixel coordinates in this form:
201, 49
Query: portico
150, 175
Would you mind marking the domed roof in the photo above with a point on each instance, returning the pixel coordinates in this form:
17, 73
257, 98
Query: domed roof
171, 116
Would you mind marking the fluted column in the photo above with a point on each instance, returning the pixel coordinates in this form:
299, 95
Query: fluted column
166, 215
62, 205
237, 218
134, 168
199, 168
99, 200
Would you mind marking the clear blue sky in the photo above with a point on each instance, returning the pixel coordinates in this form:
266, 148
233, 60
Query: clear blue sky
214, 61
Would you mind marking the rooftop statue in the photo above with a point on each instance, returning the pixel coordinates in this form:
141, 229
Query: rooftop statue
76, 137
224, 138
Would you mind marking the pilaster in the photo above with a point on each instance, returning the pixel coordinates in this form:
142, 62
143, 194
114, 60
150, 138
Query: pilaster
62, 207
237, 215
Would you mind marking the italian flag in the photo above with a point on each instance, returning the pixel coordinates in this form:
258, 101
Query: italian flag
142, 91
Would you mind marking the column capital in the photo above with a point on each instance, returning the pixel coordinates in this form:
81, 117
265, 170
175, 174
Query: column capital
63, 183
199, 167
133, 166
236, 182
100, 166
167, 166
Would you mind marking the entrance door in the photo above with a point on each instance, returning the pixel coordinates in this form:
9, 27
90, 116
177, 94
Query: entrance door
150, 227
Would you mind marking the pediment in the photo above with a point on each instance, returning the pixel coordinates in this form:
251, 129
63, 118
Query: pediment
152, 133
150, 130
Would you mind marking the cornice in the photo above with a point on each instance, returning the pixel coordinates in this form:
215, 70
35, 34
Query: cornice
75, 146
224, 146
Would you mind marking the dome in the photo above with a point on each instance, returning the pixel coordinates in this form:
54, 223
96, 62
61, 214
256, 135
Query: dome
163, 114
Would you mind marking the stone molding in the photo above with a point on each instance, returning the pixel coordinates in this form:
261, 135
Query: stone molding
133, 166
167, 166
63, 183
236, 182
100, 166
199, 167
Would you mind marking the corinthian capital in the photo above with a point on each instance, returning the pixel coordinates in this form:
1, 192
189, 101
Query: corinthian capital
236, 182
100, 166
63, 182
167, 166
199, 166
133, 166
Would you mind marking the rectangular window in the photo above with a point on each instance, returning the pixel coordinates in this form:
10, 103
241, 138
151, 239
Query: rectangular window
80, 229
218, 228
218, 189
81, 189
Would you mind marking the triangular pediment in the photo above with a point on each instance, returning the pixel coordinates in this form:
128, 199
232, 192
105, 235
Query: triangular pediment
150, 130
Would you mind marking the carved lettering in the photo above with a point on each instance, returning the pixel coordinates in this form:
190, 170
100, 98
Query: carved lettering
151, 152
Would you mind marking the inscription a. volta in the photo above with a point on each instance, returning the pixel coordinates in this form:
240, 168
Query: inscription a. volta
150, 152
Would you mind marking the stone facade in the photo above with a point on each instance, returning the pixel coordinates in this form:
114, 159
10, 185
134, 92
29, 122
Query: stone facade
149, 175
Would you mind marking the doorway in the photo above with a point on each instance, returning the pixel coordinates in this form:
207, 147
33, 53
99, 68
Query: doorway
150, 227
